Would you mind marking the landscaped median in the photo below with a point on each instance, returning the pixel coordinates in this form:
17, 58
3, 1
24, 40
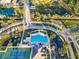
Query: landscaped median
2, 39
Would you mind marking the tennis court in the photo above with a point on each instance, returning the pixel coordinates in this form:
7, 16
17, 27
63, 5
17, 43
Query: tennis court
17, 53
1, 54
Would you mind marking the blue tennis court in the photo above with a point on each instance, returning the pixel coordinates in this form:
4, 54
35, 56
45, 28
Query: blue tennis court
17, 53
39, 38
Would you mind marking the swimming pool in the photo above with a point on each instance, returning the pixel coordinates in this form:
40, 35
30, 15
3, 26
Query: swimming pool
39, 38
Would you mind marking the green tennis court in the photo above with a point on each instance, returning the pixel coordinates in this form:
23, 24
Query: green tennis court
1, 54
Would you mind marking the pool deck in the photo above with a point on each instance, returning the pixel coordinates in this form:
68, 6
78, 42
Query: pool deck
39, 54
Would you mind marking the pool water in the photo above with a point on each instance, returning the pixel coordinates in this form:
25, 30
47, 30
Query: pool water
39, 38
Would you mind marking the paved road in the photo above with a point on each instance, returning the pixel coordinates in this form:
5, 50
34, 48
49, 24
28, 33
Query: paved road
21, 23
27, 17
75, 43
70, 48
74, 29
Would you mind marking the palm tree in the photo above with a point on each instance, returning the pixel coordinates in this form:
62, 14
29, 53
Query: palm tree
71, 1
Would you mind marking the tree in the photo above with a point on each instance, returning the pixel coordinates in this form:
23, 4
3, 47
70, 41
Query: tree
39, 2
